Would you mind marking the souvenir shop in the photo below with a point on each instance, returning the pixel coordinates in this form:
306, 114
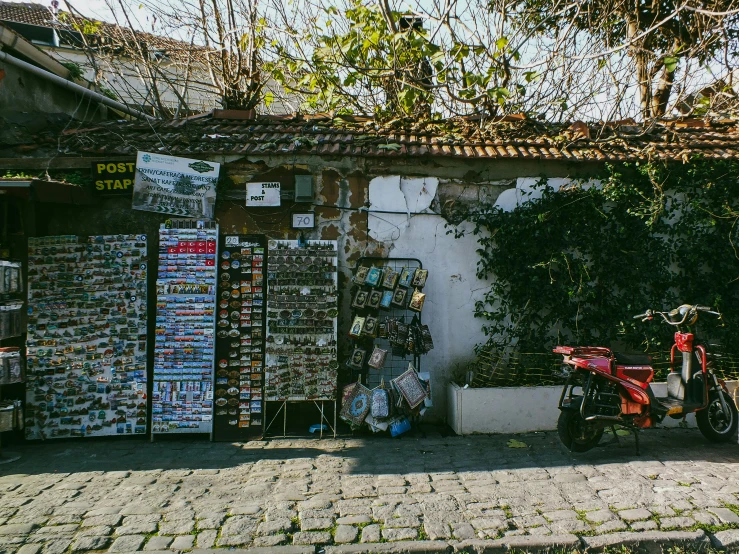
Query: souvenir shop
182, 329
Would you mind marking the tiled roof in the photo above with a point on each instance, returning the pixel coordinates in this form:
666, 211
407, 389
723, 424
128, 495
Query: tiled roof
221, 133
38, 14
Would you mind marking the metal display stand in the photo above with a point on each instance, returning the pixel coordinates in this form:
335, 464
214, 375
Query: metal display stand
239, 383
182, 397
302, 309
394, 365
11, 329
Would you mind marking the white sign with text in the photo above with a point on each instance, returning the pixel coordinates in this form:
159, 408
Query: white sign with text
263, 194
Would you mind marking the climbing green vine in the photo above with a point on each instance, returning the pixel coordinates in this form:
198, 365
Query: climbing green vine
574, 266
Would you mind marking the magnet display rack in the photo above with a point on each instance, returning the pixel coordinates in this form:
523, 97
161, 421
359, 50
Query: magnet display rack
239, 380
182, 396
394, 365
86, 336
302, 309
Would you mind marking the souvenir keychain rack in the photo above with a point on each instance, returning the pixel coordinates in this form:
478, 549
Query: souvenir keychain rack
302, 309
394, 365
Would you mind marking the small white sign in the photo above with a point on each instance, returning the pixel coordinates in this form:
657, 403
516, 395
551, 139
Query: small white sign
304, 220
263, 194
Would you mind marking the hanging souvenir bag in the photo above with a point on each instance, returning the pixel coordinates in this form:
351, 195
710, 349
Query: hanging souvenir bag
380, 403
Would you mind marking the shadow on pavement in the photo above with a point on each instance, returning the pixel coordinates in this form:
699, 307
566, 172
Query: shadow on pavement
372, 455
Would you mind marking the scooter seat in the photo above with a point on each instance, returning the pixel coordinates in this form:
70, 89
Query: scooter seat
632, 359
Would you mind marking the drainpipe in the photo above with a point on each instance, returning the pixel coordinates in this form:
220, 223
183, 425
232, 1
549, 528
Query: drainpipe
77, 89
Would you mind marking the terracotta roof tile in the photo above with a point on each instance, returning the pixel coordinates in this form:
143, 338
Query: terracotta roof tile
519, 139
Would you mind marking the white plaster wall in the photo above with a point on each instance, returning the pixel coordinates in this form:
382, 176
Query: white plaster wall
452, 287
526, 189
519, 409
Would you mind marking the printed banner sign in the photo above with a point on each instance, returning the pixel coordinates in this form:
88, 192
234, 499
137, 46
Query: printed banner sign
113, 177
177, 186
263, 194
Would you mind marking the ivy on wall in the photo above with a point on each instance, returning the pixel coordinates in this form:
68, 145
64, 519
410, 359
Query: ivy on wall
575, 266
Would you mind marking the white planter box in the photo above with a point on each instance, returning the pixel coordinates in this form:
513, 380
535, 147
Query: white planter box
518, 409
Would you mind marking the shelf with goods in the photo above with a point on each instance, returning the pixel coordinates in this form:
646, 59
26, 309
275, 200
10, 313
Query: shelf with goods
184, 349
239, 379
302, 309
86, 343
12, 365
388, 341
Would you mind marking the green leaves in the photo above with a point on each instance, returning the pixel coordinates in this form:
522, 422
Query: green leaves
670, 63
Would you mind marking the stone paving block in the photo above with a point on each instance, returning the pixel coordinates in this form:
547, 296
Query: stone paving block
56, 546
398, 522
233, 540
485, 523
353, 520
728, 539
239, 525
140, 528
345, 534
320, 537
705, 518
437, 530
17, 529
129, 543
680, 522
58, 530
371, 533
29, 549
176, 527
600, 516
648, 525
245, 509
103, 510
316, 524
725, 515
610, 526
158, 543
270, 541
635, 514
83, 544
399, 534
183, 542
463, 531
274, 527
206, 539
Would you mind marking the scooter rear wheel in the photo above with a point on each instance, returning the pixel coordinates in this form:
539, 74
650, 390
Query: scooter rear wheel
712, 420
577, 434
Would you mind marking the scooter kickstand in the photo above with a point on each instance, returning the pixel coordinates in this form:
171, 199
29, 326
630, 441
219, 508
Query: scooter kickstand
615, 435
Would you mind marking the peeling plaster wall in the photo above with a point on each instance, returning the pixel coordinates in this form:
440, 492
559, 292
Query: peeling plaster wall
417, 230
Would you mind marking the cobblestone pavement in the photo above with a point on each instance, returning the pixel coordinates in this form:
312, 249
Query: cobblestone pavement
125, 495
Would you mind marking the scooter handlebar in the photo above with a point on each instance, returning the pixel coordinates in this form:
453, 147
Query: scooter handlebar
645, 315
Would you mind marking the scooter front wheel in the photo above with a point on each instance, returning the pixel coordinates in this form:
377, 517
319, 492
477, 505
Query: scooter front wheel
715, 425
577, 434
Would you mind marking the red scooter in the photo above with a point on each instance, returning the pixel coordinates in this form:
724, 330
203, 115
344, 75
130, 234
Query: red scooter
606, 388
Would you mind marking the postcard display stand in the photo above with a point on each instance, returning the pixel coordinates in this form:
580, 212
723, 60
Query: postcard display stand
239, 384
11, 363
302, 310
182, 397
86, 344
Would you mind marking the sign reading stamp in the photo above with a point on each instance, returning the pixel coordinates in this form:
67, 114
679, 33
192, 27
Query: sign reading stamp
263, 194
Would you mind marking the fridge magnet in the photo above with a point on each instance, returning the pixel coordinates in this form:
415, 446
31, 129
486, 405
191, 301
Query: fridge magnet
377, 360
399, 297
373, 277
357, 326
361, 276
406, 276
374, 299
370, 327
390, 279
417, 299
419, 279
357, 358
387, 298
410, 387
360, 299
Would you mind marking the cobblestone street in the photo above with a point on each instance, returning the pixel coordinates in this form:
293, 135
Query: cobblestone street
440, 493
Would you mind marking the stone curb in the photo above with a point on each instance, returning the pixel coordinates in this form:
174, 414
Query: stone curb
728, 540
530, 543
655, 539
402, 547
